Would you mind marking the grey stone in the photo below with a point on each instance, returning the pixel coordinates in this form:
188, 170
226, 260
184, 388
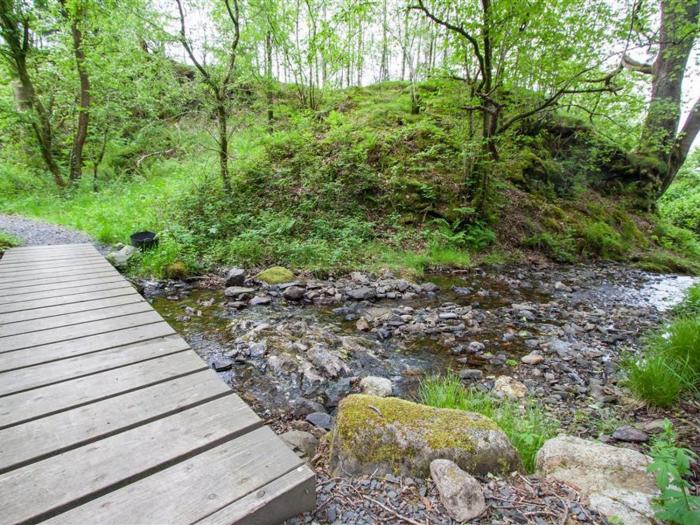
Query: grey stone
235, 277
320, 420
362, 293
294, 293
470, 374
376, 386
460, 493
630, 434
302, 407
362, 325
121, 257
237, 291
260, 300
614, 479
221, 364
302, 442
532, 358
332, 365
430, 287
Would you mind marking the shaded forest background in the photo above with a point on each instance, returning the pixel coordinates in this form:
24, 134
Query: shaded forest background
329, 135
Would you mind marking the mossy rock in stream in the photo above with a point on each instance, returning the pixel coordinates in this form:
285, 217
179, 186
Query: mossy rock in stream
275, 275
394, 436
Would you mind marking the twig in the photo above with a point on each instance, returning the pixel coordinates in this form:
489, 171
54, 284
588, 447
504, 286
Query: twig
392, 511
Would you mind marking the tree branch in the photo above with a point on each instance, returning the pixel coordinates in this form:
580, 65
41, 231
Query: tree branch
690, 130
188, 48
635, 65
234, 15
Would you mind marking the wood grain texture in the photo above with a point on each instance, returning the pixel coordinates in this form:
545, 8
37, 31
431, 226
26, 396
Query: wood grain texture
41, 402
55, 434
52, 372
94, 292
87, 273
196, 488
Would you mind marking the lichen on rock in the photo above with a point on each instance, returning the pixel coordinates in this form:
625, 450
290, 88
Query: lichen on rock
390, 435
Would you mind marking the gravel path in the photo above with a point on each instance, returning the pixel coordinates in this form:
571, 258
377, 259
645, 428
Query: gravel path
33, 233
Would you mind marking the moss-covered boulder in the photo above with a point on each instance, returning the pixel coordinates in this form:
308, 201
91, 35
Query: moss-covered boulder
275, 275
389, 435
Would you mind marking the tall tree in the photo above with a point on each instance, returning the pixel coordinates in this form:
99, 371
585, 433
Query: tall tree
218, 82
661, 139
15, 30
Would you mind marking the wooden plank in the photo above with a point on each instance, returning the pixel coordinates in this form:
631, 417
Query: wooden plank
44, 255
274, 502
41, 402
72, 334
54, 275
10, 286
58, 321
35, 493
47, 268
60, 292
71, 308
18, 293
55, 434
14, 266
50, 246
84, 346
195, 488
95, 292
26, 378
46, 258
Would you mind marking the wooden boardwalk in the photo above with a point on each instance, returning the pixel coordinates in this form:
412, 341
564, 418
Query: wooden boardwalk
107, 416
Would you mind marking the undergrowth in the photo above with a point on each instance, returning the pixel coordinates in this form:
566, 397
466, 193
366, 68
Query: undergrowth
525, 423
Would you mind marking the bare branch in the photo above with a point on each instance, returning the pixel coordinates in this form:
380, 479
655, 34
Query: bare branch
188, 48
635, 65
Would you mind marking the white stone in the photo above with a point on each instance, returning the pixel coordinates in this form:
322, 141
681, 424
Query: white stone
376, 386
615, 479
460, 493
509, 387
532, 358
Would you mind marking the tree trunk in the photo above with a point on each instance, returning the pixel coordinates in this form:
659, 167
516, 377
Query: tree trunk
223, 143
76, 157
268, 74
660, 140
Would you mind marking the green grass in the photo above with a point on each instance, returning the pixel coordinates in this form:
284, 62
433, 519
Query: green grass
670, 361
7, 241
526, 424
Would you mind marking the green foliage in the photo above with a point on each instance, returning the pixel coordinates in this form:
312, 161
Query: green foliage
603, 240
680, 205
670, 363
7, 241
671, 467
526, 425
559, 248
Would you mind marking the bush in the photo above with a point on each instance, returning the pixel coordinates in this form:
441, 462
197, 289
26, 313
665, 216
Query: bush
603, 240
526, 425
7, 241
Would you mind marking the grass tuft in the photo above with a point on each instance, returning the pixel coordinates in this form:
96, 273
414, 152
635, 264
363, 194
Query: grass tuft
526, 424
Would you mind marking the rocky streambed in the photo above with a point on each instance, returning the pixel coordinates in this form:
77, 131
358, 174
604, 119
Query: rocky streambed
300, 347
554, 333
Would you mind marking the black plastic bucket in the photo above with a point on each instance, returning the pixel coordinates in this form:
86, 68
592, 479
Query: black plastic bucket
144, 240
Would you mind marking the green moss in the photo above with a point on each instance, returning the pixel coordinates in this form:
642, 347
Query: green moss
275, 275
176, 270
361, 418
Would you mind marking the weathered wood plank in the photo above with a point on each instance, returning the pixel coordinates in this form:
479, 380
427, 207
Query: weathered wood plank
55, 434
19, 293
195, 488
71, 308
94, 292
73, 333
52, 269
12, 256
58, 321
42, 247
10, 288
33, 493
17, 261
26, 378
42, 402
47, 265
52, 277
84, 346
274, 502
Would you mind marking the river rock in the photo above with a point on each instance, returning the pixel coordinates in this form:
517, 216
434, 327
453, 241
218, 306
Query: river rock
320, 420
630, 434
329, 363
294, 293
393, 436
303, 442
302, 407
614, 479
533, 358
361, 293
275, 275
376, 386
509, 387
237, 291
362, 325
259, 300
121, 257
235, 277
460, 493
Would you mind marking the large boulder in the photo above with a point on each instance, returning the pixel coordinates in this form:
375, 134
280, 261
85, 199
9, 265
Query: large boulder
614, 479
275, 275
394, 436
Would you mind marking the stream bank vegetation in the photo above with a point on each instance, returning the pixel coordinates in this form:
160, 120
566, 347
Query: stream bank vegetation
317, 135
